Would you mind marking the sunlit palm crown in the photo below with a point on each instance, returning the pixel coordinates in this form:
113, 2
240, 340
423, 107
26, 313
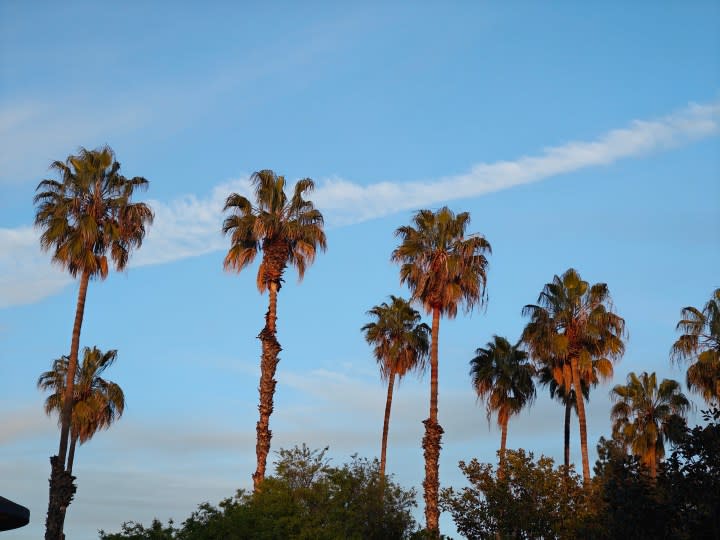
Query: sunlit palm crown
401, 342
441, 265
97, 402
700, 343
574, 319
89, 211
285, 230
646, 415
502, 375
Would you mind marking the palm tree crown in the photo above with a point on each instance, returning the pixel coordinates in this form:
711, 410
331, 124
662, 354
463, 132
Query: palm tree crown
502, 375
400, 341
573, 325
89, 212
97, 403
285, 230
441, 265
700, 343
645, 415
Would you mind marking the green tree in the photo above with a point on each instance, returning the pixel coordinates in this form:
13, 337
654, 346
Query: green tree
700, 344
502, 376
85, 215
306, 499
287, 231
444, 268
574, 324
400, 345
97, 403
645, 415
523, 502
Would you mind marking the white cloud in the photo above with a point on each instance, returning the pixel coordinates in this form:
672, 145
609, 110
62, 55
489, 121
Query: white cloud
26, 274
190, 226
346, 202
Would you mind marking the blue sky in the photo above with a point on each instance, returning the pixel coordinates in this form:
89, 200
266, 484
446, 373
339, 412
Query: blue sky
576, 135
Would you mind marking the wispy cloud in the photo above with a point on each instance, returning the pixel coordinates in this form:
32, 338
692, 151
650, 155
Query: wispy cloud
189, 226
347, 202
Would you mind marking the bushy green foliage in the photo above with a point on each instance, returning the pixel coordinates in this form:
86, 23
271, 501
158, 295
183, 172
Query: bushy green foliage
683, 502
306, 499
530, 499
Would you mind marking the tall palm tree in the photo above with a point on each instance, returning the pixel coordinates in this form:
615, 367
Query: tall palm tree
97, 403
401, 344
444, 268
573, 323
645, 416
502, 375
557, 376
287, 231
85, 215
700, 343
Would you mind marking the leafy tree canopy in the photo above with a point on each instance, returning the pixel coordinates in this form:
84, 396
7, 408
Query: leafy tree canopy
306, 499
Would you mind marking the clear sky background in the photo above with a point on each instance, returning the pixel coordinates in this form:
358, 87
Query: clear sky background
577, 135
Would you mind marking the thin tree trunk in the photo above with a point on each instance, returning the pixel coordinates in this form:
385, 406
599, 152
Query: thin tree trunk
568, 410
503, 443
62, 488
71, 453
386, 425
66, 415
432, 438
268, 364
581, 417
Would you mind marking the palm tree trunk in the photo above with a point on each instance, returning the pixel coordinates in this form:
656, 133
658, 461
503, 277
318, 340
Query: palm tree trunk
503, 442
581, 418
386, 425
62, 488
72, 368
432, 438
268, 365
653, 464
71, 453
568, 410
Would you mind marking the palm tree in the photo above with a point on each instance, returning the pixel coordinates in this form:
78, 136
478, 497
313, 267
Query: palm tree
645, 416
573, 323
401, 344
443, 268
557, 376
84, 216
287, 231
700, 343
97, 403
502, 376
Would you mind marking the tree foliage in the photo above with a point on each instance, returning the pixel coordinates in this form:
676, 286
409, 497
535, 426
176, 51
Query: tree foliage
646, 415
531, 499
306, 499
700, 344
97, 403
